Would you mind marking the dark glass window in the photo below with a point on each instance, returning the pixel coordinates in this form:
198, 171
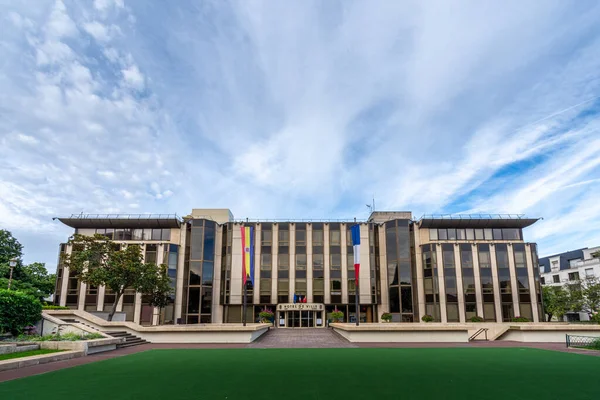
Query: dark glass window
556, 278
451, 234
206, 300
497, 233
479, 234
209, 244
442, 234
394, 299
406, 292
207, 272
511, 234
195, 272
448, 255
156, 234
466, 256
194, 301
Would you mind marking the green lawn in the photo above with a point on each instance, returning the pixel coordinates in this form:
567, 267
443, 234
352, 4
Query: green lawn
26, 354
304, 374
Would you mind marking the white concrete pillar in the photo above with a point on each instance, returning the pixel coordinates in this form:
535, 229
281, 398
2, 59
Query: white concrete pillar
477, 274
421, 309
65, 280
532, 287
180, 273
496, 283
236, 266
275, 263
309, 265
292, 254
441, 283
385, 298
344, 255
100, 304
364, 276
82, 294
514, 288
257, 252
217, 309
326, 264
459, 284
137, 311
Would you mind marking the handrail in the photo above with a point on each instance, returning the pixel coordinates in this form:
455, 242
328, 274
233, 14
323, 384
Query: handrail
479, 332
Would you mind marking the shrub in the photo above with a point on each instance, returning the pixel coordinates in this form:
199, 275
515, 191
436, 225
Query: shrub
427, 318
57, 337
520, 319
337, 316
51, 307
386, 317
266, 315
595, 345
18, 310
476, 318
596, 318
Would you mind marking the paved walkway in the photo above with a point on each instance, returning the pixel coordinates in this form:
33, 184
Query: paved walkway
307, 338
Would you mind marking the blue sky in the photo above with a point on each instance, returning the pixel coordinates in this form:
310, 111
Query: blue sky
300, 109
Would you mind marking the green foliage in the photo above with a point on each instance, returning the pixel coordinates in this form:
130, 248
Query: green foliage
32, 279
18, 310
101, 262
337, 316
266, 315
51, 307
595, 345
557, 301
595, 318
386, 317
59, 337
591, 294
427, 318
520, 319
9, 247
476, 318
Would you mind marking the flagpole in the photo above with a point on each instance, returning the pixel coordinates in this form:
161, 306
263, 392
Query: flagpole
244, 312
357, 304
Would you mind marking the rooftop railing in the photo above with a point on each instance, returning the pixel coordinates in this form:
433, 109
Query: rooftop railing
125, 216
473, 216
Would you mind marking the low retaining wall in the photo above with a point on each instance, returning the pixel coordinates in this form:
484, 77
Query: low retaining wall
13, 348
35, 360
402, 333
85, 346
548, 333
209, 333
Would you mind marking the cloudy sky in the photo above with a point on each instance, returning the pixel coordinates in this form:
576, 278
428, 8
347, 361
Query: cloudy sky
283, 109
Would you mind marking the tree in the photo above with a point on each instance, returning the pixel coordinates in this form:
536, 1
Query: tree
9, 247
32, 279
100, 262
18, 310
591, 295
557, 301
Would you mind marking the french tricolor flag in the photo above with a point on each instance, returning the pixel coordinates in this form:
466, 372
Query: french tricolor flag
355, 230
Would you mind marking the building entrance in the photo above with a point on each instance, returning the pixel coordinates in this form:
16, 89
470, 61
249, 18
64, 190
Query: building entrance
301, 315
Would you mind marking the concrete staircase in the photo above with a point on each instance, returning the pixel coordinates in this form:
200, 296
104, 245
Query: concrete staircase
130, 340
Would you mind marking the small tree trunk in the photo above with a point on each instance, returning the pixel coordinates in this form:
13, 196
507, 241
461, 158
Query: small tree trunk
114, 306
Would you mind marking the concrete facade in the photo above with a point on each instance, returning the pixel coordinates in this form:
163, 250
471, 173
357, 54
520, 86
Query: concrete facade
409, 268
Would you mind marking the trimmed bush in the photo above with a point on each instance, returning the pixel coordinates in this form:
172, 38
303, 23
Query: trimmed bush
51, 307
17, 311
387, 317
427, 318
520, 319
476, 318
596, 318
57, 337
337, 316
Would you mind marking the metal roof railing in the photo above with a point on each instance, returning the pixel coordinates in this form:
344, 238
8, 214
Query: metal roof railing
125, 216
473, 216
292, 220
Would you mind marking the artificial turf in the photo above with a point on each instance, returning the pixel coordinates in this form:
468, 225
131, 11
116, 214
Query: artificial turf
303, 374
27, 354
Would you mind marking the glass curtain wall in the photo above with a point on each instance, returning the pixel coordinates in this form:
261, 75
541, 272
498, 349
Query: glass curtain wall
200, 271
430, 281
399, 270
504, 280
450, 282
487, 283
283, 263
318, 263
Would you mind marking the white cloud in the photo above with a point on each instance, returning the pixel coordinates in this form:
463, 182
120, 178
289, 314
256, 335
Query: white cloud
105, 4
133, 77
60, 24
27, 139
97, 30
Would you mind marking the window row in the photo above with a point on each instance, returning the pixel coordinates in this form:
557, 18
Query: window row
475, 234
135, 234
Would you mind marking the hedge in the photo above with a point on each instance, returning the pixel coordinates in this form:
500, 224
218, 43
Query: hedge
18, 310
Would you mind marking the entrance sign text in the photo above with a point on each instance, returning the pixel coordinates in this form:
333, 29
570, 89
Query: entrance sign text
300, 306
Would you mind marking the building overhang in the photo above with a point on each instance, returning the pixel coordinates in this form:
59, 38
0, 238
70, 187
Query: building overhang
116, 221
477, 221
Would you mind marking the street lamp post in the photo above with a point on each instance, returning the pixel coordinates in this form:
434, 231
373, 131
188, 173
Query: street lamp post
12, 263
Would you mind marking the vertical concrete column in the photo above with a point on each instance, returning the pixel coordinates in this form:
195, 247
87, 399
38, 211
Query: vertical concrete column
514, 287
257, 253
292, 253
419, 274
161, 257
65, 280
441, 284
274, 262
137, 306
385, 298
477, 274
100, 304
459, 284
180, 272
137, 312
82, 294
217, 308
532, 287
236, 289
497, 295
344, 255
309, 265
364, 277
326, 264
120, 304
